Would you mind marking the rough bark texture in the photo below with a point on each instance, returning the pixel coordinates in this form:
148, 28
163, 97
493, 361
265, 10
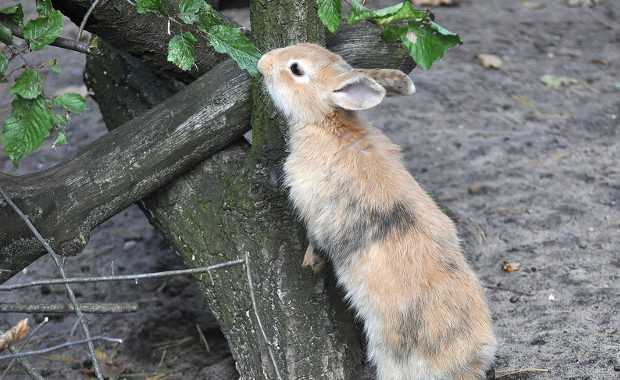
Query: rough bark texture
145, 36
67, 201
229, 206
232, 205
127, 89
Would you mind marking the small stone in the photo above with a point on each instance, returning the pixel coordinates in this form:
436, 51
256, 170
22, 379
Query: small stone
514, 299
490, 61
538, 342
129, 245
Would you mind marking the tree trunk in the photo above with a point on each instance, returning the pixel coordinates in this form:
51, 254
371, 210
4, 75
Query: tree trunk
231, 205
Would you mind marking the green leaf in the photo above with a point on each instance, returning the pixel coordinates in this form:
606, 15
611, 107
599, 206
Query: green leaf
189, 10
60, 120
43, 31
207, 19
28, 85
330, 13
71, 102
6, 35
229, 40
181, 50
4, 65
360, 13
44, 7
17, 14
146, 6
26, 128
427, 43
61, 139
425, 40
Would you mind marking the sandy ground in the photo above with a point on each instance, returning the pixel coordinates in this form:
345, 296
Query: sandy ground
530, 173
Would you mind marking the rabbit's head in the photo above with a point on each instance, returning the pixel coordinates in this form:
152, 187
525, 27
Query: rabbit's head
307, 82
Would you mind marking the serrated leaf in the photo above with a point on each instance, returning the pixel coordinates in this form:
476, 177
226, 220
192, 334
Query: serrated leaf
61, 139
6, 35
229, 40
42, 31
146, 6
28, 85
72, 102
16, 14
208, 19
4, 65
361, 13
189, 10
44, 7
26, 128
330, 13
181, 50
426, 43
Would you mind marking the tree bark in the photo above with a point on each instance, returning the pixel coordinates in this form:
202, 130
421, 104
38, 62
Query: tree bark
126, 89
66, 202
228, 206
145, 36
232, 205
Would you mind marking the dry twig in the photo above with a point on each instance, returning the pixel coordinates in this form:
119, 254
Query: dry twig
128, 277
504, 289
500, 374
22, 361
50, 251
258, 320
59, 347
85, 19
61, 42
203, 338
58, 308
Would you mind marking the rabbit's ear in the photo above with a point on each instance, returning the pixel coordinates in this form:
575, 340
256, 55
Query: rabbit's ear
395, 82
358, 92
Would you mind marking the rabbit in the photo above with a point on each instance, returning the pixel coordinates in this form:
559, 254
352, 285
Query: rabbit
395, 253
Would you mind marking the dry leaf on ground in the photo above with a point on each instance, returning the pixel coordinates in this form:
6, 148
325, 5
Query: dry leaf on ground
554, 81
490, 61
14, 334
509, 267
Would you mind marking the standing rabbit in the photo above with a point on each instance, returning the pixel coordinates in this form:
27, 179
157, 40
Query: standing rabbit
395, 253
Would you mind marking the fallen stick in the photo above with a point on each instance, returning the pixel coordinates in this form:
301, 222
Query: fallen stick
47, 350
128, 277
59, 308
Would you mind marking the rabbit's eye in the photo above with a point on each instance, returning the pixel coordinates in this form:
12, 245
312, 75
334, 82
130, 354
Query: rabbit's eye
296, 70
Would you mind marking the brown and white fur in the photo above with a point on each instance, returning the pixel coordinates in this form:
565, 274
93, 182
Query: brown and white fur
394, 251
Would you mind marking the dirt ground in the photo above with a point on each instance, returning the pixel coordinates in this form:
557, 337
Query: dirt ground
529, 172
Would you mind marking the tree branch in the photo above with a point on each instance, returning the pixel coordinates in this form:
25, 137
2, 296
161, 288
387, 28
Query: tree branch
61, 42
145, 36
67, 201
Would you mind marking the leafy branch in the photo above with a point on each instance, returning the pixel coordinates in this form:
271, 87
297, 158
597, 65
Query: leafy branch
224, 38
33, 115
425, 40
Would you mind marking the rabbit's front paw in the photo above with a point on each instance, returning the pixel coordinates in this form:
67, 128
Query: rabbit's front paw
313, 261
